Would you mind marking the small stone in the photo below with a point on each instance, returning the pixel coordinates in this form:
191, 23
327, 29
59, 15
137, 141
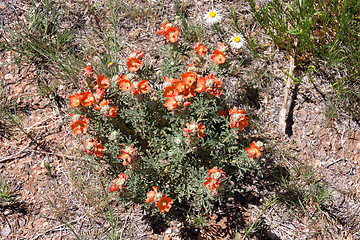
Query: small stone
5, 231
7, 212
168, 231
18, 187
36, 211
303, 114
34, 184
22, 223
48, 159
27, 165
8, 76
26, 172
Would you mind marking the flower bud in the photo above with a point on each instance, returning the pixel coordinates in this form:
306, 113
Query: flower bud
76, 117
259, 144
120, 182
210, 83
105, 109
89, 146
130, 76
114, 136
216, 175
158, 196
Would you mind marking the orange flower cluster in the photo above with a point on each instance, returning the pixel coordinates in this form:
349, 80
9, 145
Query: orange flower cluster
128, 154
79, 123
134, 62
85, 99
200, 49
136, 87
210, 84
93, 147
238, 119
218, 56
119, 183
254, 151
159, 199
169, 31
178, 92
214, 179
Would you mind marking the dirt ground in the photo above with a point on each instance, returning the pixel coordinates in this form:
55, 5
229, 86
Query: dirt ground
45, 206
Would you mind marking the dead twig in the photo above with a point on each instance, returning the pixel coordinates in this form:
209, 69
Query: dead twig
284, 107
4, 159
341, 159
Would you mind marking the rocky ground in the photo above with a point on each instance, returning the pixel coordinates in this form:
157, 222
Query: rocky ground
318, 137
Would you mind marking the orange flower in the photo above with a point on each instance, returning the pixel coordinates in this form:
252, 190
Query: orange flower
88, 99
253, 151
124, 84
201, 85
214, 180
88, 71
103, 102
143, 86
75, 100
119, 183
164, 204
172, 34
98, 149
170, 103
218, 57
103, 82
99, 93
164, 26
216, 173
151, 195
210, 84
80, 126
180, 88
193, 129
94, 147
200, 49
169, 91
238, 119
126, 157
213, 170
211, 183
113, 112
189, 78
127, 154
133, 64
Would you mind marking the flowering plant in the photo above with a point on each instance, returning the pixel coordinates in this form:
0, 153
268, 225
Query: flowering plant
165, 128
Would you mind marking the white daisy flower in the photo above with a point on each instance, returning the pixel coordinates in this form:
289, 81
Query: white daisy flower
237, 41
213, 16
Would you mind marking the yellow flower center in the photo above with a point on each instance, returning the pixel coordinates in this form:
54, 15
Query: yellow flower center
212, 14
236, 39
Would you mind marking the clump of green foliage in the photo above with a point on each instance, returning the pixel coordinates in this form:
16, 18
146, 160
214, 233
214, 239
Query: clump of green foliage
318, 32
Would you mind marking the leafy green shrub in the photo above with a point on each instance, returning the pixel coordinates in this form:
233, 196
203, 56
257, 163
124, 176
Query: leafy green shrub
172, 139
